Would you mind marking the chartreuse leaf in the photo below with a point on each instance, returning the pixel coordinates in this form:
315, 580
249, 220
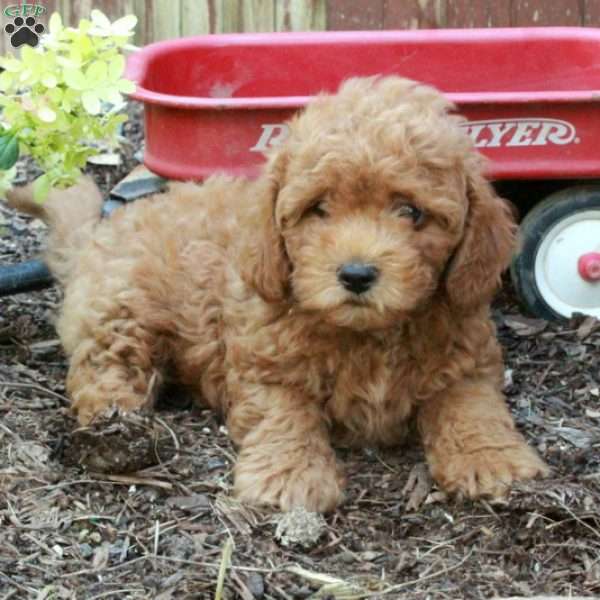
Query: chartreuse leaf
84, 26
96, 74
116, 66
11, 64
49, 80
74, 78
46, 114
113, 96
125, 86
100, 19
41, 188
29, 56
91, 102
125, 25
9, 151
55, 24
6, 80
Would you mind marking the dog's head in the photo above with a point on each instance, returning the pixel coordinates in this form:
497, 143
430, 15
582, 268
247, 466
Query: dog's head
377, 202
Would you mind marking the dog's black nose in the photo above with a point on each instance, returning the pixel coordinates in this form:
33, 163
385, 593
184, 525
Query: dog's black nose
357, 277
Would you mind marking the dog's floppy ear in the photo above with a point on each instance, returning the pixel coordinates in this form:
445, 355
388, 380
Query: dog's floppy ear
271, 267
474, 272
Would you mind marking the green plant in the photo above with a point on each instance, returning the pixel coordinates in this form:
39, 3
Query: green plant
54, 98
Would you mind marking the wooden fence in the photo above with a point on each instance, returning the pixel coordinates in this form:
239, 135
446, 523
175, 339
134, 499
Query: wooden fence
162, 19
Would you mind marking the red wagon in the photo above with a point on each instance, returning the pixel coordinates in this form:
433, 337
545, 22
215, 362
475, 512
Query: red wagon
531, 98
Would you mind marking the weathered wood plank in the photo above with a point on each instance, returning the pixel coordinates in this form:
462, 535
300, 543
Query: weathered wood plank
300, 15
144, 33
482, 13
64, 8
229, 16
195, 17
73, 12
401, 15
258, 15
355, 14
166, 20
591, 13
540, 13
51, 7
414, 14
83, 8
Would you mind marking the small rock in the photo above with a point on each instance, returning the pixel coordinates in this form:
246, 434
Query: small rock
214, 463
256, 584
213, 539
85, 550
347, 557
95, 537
508, 378
119, 548
369, 555
300, 527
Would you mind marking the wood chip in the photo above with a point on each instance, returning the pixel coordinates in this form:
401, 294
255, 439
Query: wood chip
418, 485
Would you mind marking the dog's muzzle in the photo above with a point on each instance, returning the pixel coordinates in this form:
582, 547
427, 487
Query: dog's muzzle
357, 277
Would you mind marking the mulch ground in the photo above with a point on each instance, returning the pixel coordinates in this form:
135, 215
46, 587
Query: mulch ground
165, 532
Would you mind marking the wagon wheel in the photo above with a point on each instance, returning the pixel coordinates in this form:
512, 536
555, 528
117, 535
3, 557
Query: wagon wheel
556, 269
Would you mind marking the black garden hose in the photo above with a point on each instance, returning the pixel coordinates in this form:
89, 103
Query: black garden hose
28, 276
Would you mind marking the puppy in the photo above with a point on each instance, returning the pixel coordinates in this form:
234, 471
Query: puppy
341, 294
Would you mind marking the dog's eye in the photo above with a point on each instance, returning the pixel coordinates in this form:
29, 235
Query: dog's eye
319, 209
405, 209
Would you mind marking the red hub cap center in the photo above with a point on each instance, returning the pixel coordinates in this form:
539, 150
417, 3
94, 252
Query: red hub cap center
588, 266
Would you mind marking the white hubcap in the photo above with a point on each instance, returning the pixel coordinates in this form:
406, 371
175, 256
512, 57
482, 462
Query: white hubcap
556, 273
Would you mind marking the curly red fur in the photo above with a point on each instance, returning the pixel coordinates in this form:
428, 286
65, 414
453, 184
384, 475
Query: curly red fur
233, 288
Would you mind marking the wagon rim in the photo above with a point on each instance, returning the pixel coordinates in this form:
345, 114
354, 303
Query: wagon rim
558, 265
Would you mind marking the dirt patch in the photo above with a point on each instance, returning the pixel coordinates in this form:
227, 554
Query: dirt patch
161, 533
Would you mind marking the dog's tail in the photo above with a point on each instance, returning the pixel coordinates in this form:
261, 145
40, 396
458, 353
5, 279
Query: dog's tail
71, 214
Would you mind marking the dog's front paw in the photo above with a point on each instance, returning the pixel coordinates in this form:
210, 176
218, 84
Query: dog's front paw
313, 483
488, 472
